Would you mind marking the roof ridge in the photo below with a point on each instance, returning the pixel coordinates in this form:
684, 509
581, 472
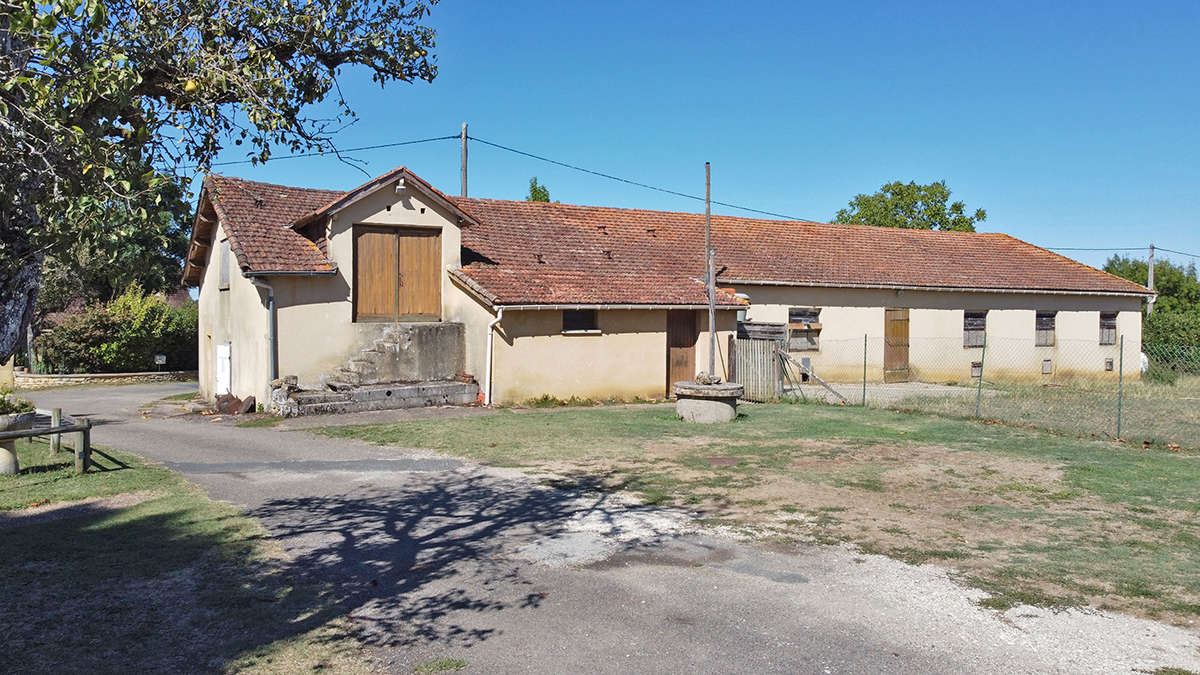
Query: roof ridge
236, 179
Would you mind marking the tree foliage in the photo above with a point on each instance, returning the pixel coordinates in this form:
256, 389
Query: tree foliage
911, 206
111, 104
1177, 286
537, 192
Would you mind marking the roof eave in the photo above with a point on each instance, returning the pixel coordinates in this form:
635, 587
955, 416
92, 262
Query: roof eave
940, 289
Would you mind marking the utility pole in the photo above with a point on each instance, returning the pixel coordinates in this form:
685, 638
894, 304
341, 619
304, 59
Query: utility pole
710, 272
1150, 281
464, 159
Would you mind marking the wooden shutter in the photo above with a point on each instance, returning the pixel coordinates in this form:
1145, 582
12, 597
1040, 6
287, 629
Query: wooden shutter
397, 274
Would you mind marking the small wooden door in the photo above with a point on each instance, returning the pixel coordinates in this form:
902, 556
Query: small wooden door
681, 347
397, 274
895, 345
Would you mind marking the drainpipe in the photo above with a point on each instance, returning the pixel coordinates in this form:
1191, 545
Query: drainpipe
271, 336
487, 387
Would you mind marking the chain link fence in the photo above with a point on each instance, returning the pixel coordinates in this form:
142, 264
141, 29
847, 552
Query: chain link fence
1147, 395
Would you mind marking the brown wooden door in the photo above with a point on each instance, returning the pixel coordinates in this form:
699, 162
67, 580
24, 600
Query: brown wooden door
375, 281
895, 345
397, 274
681, 347
420, 257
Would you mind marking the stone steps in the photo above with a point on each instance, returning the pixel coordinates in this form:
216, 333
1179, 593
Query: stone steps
387, 396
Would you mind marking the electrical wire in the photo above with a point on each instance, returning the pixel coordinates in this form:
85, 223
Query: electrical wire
344, 151
631, 182
1190, 255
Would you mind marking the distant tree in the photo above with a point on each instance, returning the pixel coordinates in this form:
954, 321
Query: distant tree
1177, 286
537, 192
911, 206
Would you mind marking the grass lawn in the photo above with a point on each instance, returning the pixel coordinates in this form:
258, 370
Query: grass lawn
174, 582
1030, 516
1160, 414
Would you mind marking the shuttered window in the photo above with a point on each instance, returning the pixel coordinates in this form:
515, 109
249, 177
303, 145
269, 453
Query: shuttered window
1044, 329
974, 328
1108, 328
804, 329
223, 267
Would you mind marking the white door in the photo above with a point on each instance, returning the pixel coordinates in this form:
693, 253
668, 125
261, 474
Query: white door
223, 368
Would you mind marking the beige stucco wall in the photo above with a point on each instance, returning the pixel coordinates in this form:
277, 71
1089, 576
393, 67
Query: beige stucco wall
936, 352
315, 314
237, 315
626, 359
7, 379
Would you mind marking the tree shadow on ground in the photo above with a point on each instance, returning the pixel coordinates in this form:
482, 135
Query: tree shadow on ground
162, 586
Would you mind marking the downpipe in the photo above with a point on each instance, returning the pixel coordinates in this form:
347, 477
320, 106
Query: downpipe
272, 338
487, 387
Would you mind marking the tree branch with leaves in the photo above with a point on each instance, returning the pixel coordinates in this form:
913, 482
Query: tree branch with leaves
107, 106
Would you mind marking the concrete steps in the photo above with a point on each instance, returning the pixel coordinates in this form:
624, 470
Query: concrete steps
386, 396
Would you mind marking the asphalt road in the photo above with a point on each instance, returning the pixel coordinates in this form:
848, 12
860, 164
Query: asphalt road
436, 557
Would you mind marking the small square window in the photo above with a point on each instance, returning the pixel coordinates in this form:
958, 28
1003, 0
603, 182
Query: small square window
580, 321
974, 328
1108, 328
1044, 329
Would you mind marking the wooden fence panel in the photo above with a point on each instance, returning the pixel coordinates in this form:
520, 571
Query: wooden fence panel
756, 368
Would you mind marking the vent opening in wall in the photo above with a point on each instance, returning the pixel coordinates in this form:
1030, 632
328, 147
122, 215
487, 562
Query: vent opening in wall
1108, 365
1047, 367
977, 369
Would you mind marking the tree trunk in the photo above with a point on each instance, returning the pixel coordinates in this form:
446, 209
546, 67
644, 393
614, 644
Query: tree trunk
18, 295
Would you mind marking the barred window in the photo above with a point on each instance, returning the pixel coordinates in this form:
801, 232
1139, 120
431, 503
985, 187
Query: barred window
974, 328
804, 329
1044, 329
1108, 328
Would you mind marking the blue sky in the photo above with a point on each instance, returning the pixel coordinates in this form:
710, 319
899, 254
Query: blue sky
1073, 125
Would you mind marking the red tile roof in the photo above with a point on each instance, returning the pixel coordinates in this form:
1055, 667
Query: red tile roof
550, 251
539, 253
257, 216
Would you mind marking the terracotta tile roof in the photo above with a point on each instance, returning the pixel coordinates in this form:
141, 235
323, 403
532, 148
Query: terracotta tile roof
258, 217
539, 253
547, 252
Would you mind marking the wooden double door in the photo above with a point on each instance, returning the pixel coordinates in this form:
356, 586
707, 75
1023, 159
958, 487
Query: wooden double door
397, 274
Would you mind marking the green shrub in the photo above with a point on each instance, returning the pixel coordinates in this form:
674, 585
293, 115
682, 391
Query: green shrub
9, 405
122, 336
1158, 373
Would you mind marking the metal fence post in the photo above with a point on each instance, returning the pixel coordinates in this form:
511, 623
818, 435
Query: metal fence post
979, 386
1120, 386
864, 387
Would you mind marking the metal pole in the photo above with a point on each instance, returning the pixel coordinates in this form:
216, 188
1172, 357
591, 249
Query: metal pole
979, 387
1150, 281
464, 159
710, 272
864, 391
1120, 386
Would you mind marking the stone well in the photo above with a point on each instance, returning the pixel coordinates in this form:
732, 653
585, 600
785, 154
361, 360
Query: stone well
8, 448
707, 403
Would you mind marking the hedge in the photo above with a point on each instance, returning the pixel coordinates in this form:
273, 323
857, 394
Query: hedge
122, 336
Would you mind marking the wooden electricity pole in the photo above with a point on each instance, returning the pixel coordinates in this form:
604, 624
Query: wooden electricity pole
710, 272
464, 159
1150, 281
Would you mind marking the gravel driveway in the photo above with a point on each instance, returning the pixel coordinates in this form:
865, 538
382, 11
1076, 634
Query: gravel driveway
449, 559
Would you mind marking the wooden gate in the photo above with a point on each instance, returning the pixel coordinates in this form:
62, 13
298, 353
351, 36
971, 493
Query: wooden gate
895, 345
681, 347
397, 274
756, 367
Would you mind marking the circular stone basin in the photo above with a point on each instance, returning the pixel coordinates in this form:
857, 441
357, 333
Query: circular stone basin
8, 448
706, 403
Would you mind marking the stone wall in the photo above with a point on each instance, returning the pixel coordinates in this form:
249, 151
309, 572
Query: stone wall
45, 380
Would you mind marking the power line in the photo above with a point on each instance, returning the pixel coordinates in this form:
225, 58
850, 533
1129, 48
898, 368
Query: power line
630, 182
1190, 255
323, 153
